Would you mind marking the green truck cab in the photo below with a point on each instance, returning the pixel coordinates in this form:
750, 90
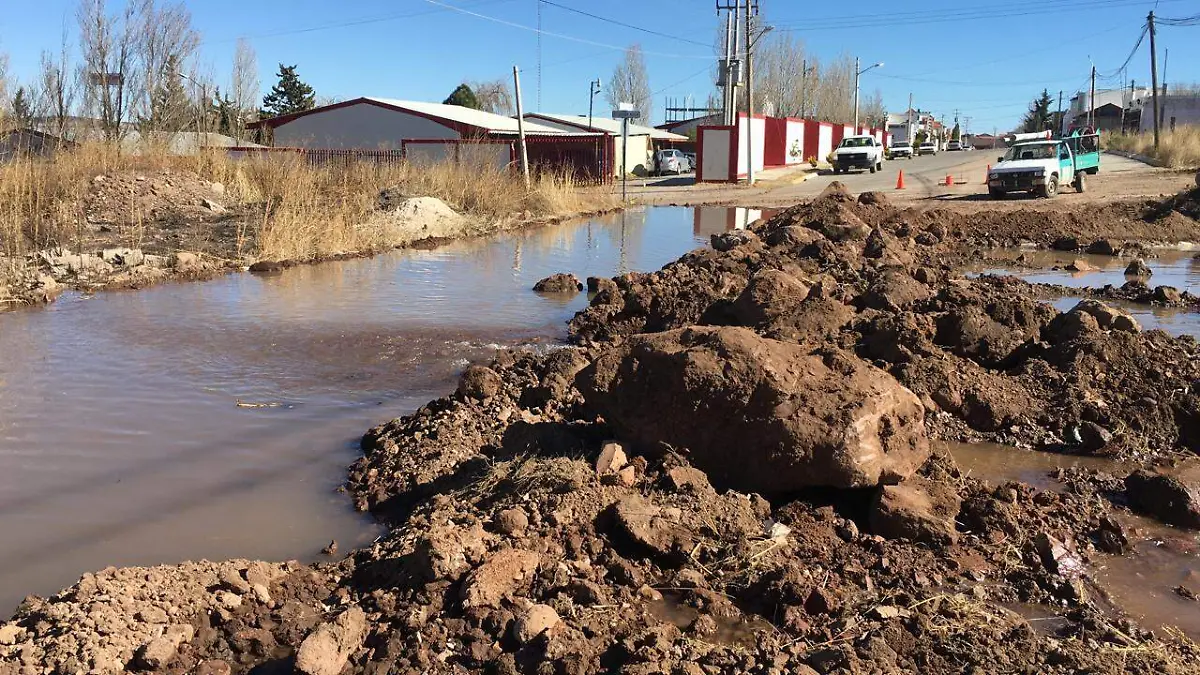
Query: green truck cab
1039, 164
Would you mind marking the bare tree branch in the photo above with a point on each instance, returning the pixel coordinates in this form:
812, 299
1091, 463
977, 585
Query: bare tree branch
630, 83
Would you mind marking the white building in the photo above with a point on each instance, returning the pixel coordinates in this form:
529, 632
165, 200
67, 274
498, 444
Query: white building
643, 140
1175, 109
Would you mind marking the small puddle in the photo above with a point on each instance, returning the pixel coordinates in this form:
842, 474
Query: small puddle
120, 439
735, 632
1141, 584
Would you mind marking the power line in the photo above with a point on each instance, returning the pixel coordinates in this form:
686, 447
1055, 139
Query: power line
625, 25
1193, 20
705, 69
842, 23
561, 36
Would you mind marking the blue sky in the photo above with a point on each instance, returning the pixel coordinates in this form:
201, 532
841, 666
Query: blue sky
986, 58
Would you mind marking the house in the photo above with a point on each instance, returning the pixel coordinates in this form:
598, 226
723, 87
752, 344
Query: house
29, 142
1114, 108
643, 140
688, 127
1175, 109
431, 132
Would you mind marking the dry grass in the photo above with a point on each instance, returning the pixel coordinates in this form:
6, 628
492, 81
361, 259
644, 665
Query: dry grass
285, 207
1178, 149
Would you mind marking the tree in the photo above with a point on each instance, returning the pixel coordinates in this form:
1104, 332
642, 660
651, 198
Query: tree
59, 84
778, 80
224, 112
3, 82
22, 108
463, 96
163, 44
630, 83
494, 96
169, 108
1038, 118
956, 133
245, 85
110, 70
289, 95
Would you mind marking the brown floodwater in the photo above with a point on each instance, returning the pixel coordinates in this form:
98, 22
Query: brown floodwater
1140, 584
121, 441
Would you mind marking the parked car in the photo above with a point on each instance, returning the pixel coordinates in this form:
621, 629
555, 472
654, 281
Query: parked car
671, 161
953, 146
900, 149
691, 160
858, 152
927, 148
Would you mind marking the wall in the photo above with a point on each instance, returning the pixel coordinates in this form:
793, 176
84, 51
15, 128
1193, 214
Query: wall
794, 141
361, 125
713, 146
1184, 108
775, 141
757, 129
638, 162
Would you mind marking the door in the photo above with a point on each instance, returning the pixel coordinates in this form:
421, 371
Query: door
1066, 165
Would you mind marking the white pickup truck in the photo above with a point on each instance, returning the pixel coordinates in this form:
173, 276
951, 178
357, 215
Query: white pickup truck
858, 152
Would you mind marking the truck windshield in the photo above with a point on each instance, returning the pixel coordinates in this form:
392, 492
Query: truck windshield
857, 143
1038, 151
899, 144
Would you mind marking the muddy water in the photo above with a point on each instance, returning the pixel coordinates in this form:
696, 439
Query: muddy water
121, 441
1141, 584
1180, 269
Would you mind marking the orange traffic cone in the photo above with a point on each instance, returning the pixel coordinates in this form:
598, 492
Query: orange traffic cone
949, 180
986, 174
900, 180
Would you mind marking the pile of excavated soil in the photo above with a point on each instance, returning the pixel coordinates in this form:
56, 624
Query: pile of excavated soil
730, 473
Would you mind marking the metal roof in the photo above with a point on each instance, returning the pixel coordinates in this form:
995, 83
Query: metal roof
469, 116
607, 125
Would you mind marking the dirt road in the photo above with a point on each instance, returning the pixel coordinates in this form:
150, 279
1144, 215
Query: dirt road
1120, 178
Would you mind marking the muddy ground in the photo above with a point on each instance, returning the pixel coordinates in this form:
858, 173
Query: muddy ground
735, 468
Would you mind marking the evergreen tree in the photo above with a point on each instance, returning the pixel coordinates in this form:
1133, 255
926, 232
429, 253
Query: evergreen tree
223, 111
22, 109
170, 109
1039, 117
289, 95
956, 133
463, 96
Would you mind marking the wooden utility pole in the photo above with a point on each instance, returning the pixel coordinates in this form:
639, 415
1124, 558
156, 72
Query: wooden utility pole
1060, 113
1154, 76
749, 101
1092, 102
521, 126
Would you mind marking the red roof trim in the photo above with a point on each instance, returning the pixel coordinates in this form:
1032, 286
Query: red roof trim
464, 129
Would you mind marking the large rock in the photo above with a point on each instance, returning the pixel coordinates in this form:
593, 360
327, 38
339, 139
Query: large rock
326, 650
917, 509
756, 414
1164, 497
769, 295
499, 577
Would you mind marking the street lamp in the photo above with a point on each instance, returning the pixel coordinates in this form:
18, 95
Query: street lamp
857, 74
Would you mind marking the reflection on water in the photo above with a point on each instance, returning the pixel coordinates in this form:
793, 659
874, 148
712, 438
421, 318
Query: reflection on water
120, 439
1140, 583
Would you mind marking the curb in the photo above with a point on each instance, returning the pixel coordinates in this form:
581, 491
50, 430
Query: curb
1138, 158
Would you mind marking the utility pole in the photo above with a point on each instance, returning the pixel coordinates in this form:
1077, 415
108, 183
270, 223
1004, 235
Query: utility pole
1092, 102
1154, 76
908, 130
749, 99
856, 73
521, 126
1162, 115
803, 86
1060, 113
727, 67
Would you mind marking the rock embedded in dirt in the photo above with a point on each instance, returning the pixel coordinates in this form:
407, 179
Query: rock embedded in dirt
651, 527
1104, 247
479, 382
499, 577
1106, 316
559, 283
512, 521
1138, 268
329, 647
1167, 295
917, 509
1065, 244
612, 458
533, 622
1164, 497
759, 415
770, 295
727, 241
1081, 265
874, 199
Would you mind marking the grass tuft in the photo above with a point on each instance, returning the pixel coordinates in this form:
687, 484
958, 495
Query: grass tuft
1178, 149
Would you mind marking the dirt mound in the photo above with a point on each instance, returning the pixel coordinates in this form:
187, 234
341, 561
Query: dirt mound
132, 197
559, 283
757, 414
418, 219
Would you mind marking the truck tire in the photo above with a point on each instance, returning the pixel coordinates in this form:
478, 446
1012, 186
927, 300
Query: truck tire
879, 165
872, 168
1050, 188
1081, 181
996, 194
